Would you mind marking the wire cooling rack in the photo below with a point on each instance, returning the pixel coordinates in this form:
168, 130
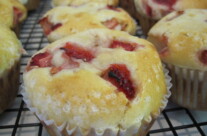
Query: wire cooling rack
19, 121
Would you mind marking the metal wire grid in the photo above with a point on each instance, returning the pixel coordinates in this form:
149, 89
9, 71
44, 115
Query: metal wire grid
19, 121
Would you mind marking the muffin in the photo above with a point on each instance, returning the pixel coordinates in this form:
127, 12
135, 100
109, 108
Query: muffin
97, 82
150, 11
62, 21
180, 38
30, 4
81, 2
12, 13
10, 49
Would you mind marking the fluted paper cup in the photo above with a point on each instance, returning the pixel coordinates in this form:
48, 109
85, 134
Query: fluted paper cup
189, 87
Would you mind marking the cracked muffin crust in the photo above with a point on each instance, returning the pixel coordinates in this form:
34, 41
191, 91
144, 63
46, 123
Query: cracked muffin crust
98, 80
10, 51
62, 21
81, 2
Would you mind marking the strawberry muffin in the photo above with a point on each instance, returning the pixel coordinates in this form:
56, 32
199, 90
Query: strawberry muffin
10, 52
150, 11
98, 82
62, 21
180, 39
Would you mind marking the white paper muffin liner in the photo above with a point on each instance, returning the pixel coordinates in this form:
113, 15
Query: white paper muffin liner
63, 130
189, 87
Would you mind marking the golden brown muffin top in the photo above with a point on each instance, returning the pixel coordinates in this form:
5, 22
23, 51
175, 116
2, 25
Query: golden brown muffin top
156, 9
180, 37
63, 21
97, 79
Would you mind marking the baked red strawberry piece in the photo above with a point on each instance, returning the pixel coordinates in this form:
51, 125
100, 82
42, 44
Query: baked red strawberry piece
163, 48
148, 10
203, 57
41, 60
119, 75
112, 23
69, 56
113, 8
48, 26
168, 3
125, 45
77, 52
17, 15
67, 64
